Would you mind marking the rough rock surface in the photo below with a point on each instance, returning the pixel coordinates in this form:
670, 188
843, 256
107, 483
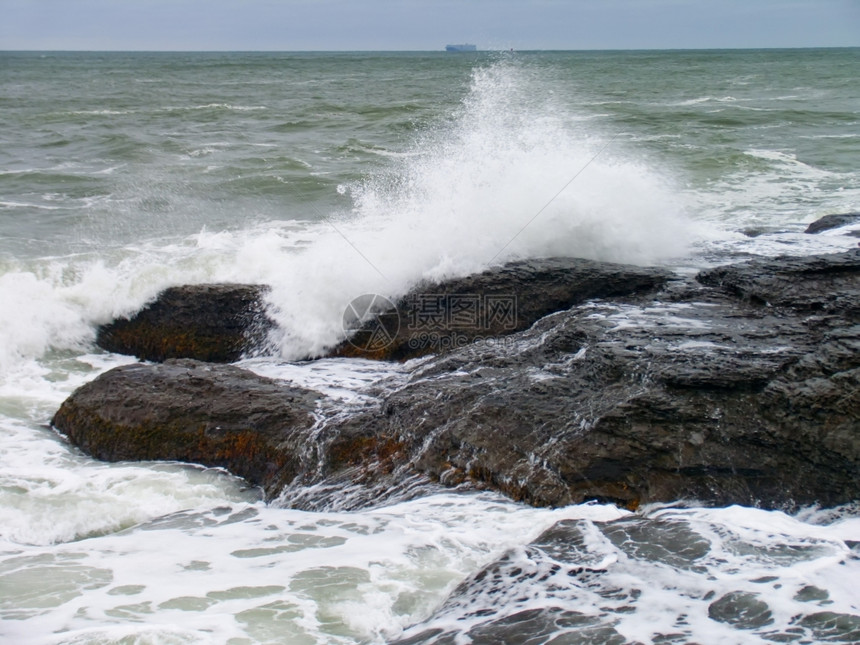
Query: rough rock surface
813, 284
207, 322
742, 386
437, 318
695, 393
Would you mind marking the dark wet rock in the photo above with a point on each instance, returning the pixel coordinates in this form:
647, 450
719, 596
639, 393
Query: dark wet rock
184, 410
437, 318
829, 222
740, 387
700, 392
815, 283
207, 322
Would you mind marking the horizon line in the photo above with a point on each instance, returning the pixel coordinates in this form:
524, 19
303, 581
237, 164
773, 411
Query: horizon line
417, 51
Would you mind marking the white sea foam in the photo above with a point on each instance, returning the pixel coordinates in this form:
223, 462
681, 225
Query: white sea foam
243, 570
217, 106
340, 379
782, 191
274, 575
101, 112
33, 318
8, 204
51, 494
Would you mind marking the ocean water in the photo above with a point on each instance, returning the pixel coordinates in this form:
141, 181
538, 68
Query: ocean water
328, 176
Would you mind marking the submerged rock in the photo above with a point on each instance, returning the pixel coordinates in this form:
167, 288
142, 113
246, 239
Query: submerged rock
829, 222
742, 387
588, 580
552, 590
436, 318
207, 322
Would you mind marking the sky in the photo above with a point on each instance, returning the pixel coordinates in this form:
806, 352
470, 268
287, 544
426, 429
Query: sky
294, 25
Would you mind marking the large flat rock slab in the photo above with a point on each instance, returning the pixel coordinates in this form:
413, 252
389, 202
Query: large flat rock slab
699, 392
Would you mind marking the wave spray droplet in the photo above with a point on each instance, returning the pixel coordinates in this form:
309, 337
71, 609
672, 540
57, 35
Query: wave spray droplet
472, 185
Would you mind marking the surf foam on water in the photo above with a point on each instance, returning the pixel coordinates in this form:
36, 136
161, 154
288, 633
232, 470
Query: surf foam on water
517, 175
779, 190
733, 575
271, 575
51, 494
260, 574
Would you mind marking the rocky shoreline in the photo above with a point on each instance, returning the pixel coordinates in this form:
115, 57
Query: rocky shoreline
617, 384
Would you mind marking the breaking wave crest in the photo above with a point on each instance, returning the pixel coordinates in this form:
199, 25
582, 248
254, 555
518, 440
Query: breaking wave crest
511, 173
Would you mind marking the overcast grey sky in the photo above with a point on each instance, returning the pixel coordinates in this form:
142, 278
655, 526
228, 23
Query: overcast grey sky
425, 24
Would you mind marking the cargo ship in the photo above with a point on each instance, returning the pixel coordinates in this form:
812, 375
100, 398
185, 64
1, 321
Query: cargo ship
460, 48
